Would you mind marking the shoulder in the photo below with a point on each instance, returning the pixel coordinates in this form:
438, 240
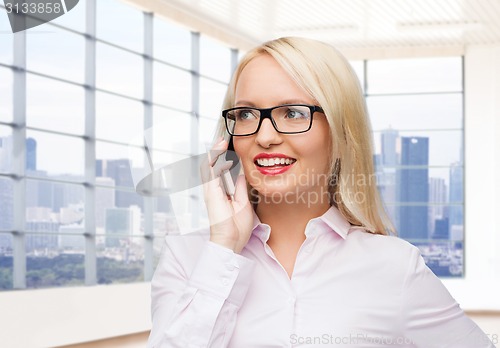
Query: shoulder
379, 242
382, 251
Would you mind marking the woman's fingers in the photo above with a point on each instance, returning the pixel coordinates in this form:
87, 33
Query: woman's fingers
240, 194
221, 166
217, 150
210, 168
230, 220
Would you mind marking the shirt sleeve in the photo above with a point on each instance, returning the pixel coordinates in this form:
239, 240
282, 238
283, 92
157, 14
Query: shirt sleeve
432, 317
196, 305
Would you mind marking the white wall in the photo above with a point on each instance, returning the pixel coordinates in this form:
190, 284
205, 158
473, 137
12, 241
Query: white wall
480, 287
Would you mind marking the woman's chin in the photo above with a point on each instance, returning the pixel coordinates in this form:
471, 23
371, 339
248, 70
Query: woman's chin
277, 194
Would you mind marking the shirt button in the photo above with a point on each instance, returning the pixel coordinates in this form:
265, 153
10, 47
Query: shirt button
291, 300
225, 281
230, 267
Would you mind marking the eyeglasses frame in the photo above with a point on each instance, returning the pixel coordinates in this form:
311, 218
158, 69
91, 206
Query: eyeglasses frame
266, 113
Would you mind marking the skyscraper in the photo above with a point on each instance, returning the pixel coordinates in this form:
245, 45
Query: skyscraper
30, 154
40, 240
437, 211
119, 171
414, 188
6, 154
389, 139
6, 213
386, 174
104, 199
456, 194
6, 194
120, 223
441, 229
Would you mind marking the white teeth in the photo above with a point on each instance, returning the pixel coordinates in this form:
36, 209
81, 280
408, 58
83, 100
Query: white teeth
269, 162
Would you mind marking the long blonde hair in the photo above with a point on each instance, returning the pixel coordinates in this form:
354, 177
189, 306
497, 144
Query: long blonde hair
327, 76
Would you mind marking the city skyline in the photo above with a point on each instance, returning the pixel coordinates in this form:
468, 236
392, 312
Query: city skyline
428, 213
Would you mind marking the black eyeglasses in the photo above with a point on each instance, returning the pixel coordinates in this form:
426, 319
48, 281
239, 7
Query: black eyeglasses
286, 119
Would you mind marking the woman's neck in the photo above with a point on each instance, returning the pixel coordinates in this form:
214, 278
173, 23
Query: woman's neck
288, 221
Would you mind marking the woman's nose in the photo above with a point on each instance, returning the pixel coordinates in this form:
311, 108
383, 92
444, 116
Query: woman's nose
267, 134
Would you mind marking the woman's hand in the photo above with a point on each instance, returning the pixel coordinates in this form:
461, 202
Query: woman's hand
230, 220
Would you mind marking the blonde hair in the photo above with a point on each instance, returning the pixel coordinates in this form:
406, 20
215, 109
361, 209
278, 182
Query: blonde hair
327, 76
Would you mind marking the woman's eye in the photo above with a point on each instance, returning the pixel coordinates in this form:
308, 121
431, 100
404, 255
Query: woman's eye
246, 115
295, 114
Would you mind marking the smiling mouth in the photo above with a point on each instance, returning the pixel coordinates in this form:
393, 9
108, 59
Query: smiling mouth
274, 162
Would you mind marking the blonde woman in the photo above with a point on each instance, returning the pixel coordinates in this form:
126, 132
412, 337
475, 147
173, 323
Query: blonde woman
302, 254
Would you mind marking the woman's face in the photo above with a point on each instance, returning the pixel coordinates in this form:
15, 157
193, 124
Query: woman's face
263, 84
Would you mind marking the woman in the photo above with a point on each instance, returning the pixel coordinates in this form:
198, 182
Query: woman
302, 255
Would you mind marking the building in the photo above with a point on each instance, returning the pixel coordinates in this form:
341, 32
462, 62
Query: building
30, 154
104, 199
44, 239
441, 229
389, 140
387, 174
119, 171
414, 188
437, 200
456, 194
121, 223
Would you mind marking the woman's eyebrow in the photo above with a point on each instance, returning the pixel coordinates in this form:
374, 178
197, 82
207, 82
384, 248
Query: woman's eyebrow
295, 101
244, 103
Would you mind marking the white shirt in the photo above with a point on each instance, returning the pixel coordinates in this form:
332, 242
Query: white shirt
349, 288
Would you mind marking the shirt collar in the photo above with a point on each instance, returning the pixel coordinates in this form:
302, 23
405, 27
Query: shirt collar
331, 220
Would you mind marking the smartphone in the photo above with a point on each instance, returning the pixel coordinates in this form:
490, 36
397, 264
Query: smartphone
226, 176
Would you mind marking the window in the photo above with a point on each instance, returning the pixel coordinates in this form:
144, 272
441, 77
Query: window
112, 110
50, 105
71, 126
416, 111
6, 259
212, 97
120, 24
55, 52
74, 19
6, 89
172, 43
119, 71
171, 87
6, 150
215, 59
6, 41
54, 155
415, 105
